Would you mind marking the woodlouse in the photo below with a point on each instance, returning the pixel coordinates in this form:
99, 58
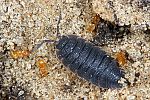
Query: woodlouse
88, 61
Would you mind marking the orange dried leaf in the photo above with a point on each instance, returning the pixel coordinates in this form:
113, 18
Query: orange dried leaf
25, 53
121, 58
19, 54
90, 28
42, 67
95, 19
14, 54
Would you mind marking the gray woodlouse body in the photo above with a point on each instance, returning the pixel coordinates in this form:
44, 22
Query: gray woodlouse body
89, 62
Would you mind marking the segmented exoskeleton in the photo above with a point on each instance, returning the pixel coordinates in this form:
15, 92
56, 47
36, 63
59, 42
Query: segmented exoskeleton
88, 61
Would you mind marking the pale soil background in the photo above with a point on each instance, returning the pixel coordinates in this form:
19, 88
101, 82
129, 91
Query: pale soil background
24, 23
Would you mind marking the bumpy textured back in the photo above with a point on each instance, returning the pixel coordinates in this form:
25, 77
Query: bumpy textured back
89, 62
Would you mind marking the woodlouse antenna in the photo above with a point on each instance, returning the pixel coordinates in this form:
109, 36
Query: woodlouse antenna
39, 45
50, 41
60, 17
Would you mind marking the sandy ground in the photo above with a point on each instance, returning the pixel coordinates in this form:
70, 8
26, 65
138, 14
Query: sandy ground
24, 23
